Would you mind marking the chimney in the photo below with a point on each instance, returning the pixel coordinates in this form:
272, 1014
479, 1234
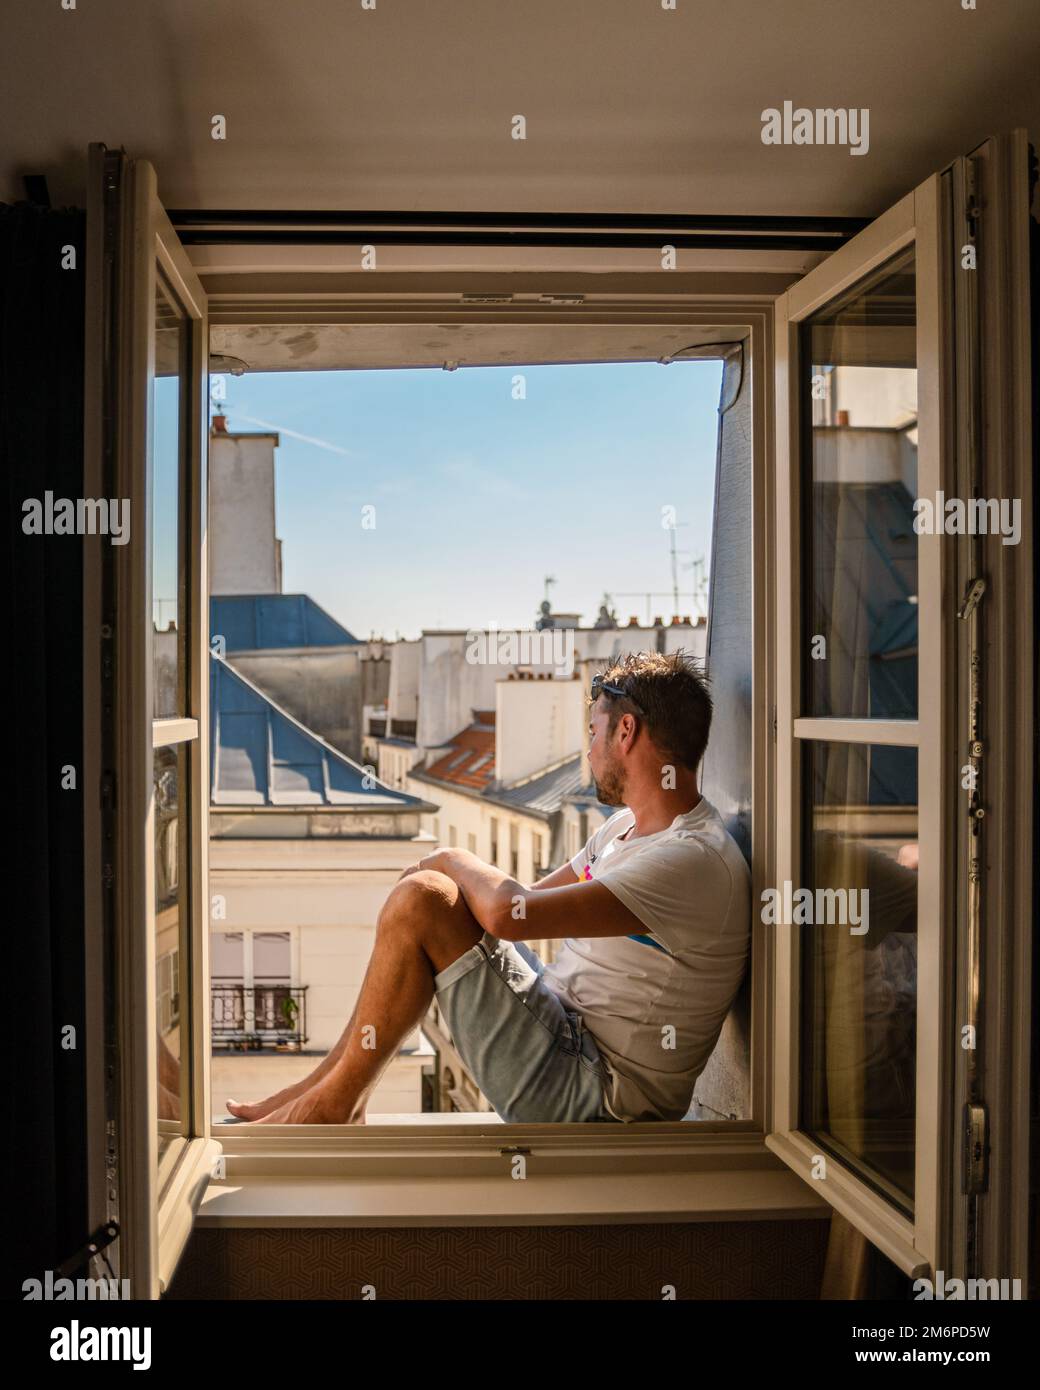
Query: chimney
843, 419
220, 424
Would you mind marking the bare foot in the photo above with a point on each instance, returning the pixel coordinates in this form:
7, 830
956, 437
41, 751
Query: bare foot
257, 1109
318, 1107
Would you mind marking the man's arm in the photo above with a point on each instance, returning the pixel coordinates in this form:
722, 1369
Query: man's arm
508, 910
559, 878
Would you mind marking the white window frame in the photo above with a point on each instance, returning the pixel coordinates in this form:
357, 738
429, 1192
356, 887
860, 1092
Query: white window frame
951, 351
657, 1171
157, 1198
914, 220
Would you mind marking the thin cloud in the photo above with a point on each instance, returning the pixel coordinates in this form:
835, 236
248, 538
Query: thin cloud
293, 434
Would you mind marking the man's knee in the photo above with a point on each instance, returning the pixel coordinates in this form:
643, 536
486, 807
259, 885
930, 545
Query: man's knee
426, 893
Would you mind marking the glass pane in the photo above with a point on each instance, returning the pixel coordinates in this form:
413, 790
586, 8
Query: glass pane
169, 394
860, 598
859, 958
272, 957
170, 929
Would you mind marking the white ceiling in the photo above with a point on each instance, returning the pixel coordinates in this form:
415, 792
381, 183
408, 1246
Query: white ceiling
629, 107
319, 347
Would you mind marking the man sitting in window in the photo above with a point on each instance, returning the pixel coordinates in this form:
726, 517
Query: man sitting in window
655, 915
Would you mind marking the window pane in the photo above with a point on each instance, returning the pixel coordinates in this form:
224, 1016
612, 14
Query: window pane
168, 445
272, 956
859, 958
860, 599
170, 922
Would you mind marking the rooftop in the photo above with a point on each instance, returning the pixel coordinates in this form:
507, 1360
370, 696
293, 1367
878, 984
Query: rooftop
469, 760
261, 756
265, 622
468, 765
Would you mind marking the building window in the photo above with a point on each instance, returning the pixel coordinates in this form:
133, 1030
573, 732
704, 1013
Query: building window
453, 837
167, 991
471, 843
494, 839
254, 1003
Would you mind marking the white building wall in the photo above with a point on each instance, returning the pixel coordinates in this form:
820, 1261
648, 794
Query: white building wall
607, 644
243, 551
537, 724
451, 687
692, 640
405, 662
465, 822
394, 762
327, 894
875, 397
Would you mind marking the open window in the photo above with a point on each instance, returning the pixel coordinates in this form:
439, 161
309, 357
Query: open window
859, 693
894, 527
147, 416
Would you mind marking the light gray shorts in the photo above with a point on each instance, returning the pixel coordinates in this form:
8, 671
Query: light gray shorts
532, 1058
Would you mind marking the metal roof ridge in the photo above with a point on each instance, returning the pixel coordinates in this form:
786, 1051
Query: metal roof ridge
543, 772
343, 757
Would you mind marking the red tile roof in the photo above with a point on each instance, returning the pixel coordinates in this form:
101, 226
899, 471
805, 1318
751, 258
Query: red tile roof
470, 760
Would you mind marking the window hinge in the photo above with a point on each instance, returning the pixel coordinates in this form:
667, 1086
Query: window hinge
976, 1149
976, 588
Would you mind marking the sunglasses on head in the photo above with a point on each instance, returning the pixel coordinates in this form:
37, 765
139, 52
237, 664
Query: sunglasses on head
601, 686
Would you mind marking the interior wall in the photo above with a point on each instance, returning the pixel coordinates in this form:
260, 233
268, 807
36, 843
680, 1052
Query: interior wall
701, 1260
725, 1084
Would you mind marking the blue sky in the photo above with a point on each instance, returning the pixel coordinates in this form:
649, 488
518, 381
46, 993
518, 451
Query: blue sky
478, 496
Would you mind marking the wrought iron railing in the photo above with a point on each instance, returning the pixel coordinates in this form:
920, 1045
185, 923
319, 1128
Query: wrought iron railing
261, 1016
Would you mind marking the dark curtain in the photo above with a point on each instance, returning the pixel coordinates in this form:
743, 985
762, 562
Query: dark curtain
41, 449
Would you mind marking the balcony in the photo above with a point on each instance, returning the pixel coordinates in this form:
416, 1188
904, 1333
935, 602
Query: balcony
264, 1016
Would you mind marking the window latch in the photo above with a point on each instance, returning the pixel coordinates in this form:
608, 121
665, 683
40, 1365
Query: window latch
102, 1237
976, 1150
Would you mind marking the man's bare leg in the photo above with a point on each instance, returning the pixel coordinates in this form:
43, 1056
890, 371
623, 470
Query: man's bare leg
425, 924
256, 1110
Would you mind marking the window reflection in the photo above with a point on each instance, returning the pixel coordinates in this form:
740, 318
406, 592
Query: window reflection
169, 831
168, 440
861, 604
860, 987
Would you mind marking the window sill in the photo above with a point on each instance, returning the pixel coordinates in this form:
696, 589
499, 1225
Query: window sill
460, 1173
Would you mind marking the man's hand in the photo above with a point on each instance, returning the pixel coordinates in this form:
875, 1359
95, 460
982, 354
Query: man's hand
445, 861
441, 860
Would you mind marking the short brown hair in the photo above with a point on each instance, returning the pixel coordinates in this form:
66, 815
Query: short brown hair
671, 693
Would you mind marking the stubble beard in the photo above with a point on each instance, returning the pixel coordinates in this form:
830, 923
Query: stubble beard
611, 789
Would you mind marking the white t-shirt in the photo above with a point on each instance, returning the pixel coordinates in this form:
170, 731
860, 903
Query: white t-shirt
689, 885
